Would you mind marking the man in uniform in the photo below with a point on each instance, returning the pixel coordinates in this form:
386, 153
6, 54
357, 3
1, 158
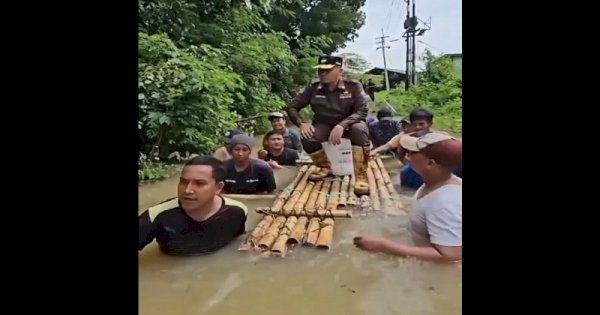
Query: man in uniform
340, 108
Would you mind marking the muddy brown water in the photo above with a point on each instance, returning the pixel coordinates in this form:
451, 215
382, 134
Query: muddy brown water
343, 280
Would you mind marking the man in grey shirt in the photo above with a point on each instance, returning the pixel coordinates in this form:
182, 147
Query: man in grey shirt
436, 217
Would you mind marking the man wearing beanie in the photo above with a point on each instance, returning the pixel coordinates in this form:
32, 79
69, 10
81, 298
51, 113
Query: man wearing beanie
246, 175
222, 153
340, 108
436, 217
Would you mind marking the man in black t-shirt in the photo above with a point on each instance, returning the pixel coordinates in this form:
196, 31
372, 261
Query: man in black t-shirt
245, 175
277, 154
199, 220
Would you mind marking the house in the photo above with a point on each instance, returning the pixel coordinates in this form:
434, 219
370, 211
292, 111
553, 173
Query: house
395, 76
457, 60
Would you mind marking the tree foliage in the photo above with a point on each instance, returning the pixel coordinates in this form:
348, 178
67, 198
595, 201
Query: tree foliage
355, 63
438, 89
204, 65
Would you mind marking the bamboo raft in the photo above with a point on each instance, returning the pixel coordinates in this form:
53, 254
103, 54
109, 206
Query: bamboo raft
305, 212
279, 234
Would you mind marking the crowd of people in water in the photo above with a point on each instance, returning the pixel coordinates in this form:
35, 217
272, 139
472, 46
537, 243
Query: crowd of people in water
201, 219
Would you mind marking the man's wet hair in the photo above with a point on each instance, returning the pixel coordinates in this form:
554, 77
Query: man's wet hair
218, 168
272, 132
421, 114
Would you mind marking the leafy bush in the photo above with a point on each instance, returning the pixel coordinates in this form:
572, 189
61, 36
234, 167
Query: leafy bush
149, 171
439, 90
184, 96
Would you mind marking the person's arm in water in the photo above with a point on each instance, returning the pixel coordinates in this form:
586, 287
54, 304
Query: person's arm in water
435, 252
146, 230
445, 232
360, 110
394, 143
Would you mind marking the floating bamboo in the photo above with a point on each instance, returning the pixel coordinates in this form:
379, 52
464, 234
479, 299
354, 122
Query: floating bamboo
298, 231
260, 229
337, 213
299, 206
280, 246
381, 187
373, 190
344, 191
334, 195
312, 232
323, 193
312, 199
285, 194
352, 199
270, 235
386, 176
326, 234
289, 205
390, 186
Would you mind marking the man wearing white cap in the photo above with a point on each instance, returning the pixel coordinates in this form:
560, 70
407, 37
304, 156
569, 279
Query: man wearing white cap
436, 216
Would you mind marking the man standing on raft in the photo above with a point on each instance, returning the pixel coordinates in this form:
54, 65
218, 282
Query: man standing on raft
340, 108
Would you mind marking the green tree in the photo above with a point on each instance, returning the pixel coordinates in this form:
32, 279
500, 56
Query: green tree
355, 63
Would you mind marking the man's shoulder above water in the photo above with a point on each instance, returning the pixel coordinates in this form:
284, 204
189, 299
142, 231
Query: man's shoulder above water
259, 163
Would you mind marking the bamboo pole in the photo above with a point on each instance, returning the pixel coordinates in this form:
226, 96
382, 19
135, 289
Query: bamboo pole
270, 235
289, 205
323, 193
298, 231
344, 191
312, 199
251, 241
299, 206
337, 213
326, 234
390, 186
334, 195
280, 246
381, 188
373, 193
312, 232
285, 194
352, 199
384, 173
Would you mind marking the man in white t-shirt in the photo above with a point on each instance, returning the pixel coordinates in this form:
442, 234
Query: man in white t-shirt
436, 216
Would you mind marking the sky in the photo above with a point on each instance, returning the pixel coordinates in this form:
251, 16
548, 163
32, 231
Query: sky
445, 35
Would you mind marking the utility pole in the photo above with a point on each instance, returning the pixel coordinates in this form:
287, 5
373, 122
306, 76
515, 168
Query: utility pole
382, 46
411, 31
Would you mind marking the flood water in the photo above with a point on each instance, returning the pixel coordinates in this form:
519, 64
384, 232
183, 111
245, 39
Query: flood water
343, 280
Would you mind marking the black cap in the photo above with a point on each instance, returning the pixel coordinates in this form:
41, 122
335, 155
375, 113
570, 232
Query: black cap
328, 62
383, 113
